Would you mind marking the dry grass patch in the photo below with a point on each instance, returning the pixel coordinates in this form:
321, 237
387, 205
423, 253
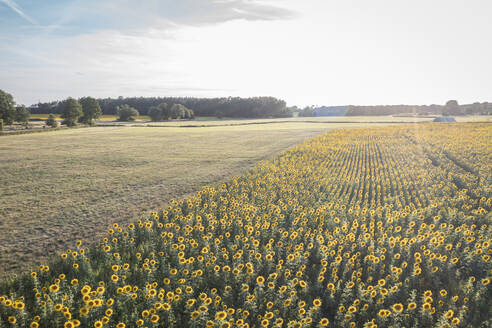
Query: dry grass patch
67, 184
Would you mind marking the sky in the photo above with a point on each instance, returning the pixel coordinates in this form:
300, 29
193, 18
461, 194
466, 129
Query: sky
307, 52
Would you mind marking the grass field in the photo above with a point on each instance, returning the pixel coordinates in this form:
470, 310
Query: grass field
350, 119
68, 184
208, 121
370, 227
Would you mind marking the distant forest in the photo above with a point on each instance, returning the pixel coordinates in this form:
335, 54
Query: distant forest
264, 107
451, 108
257, 107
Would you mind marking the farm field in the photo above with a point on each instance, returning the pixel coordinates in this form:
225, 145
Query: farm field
229, 121
36, 123
375, 227
68, 184
208, 121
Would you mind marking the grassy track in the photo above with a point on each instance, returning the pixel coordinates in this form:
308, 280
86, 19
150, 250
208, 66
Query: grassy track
88, 178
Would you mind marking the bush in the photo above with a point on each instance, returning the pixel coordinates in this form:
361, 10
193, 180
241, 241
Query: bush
306, 112
127, 113
50, 121
179, 111
22, 114
155, 113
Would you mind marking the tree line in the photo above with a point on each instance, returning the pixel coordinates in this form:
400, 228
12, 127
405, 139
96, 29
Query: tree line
310, 111
87, 109
235, 107
450, 108
84, 110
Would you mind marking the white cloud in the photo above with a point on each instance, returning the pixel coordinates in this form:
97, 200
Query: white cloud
331, 53
15, 7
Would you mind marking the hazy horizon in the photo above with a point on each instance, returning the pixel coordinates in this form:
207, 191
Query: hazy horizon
308, 53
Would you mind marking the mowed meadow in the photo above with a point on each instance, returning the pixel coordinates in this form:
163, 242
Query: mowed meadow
64, 185
371, 227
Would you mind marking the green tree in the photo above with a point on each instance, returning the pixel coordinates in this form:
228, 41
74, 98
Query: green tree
155, 113
178, 111
71, 111
1, 124
21, 114
159, 113
451, 108
51, 121
126, 113
165, 111
90, 110
7, 109
174, 111
284, 112
308, 111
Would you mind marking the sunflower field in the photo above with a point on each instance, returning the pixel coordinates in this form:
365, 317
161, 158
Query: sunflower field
373, 227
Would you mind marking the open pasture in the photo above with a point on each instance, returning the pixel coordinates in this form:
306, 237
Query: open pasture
376, 227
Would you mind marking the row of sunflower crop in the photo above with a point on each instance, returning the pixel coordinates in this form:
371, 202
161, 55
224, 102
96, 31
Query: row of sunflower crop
353, 228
